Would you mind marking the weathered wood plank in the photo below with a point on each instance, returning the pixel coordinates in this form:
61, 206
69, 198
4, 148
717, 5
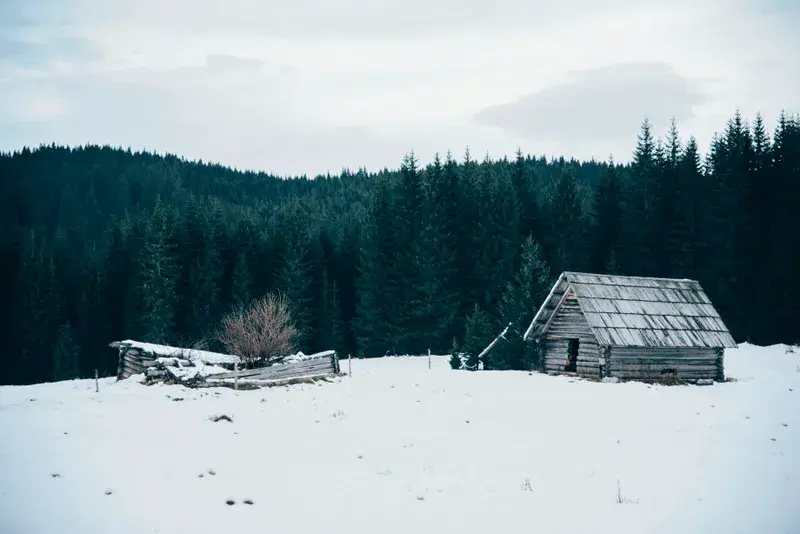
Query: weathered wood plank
659, 368
561, 366
653, 373
662, 350
319, 364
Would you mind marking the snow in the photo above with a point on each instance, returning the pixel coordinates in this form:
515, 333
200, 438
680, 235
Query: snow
399, 448
189, 354
300, 357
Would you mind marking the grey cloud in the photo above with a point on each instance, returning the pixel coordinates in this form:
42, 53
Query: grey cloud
351, 19
217, 69
230, 62
607, 103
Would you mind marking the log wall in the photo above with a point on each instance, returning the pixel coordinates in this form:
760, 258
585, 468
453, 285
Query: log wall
646, 363
133, 362
570, 323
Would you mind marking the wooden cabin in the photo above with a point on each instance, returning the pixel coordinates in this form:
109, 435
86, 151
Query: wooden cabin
630, 327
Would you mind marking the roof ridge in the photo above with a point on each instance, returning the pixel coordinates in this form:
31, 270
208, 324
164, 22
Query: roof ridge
630, 276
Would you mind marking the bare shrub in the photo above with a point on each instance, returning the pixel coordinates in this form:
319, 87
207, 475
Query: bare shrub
526, 485
261, 333
622, 498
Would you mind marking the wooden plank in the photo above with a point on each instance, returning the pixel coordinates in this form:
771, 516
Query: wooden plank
665, 350
133, 370
555, 312
277, 371
290, 373
132, 359
658, 366
645, 355
297, 366
659, 369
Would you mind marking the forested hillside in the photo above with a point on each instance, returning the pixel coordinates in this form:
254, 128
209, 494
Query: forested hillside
100, 244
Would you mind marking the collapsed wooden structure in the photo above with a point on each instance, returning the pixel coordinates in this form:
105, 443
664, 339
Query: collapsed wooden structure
630, 327
199, 368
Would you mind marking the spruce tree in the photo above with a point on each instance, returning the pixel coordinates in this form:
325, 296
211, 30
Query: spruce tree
567, 223
66, 355
158, 275
524, 182
640, 195
478, 334
607, 218
440, 261
697, 195
241, 284
294, 282
379, 289
526, 291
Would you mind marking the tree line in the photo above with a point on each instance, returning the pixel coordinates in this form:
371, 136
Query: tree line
99, 244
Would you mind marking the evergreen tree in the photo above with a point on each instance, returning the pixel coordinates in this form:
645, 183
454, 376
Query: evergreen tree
524, 182
66, 355
477, 336
639, 194
379, 289
439, 267
567, 223
158, 275
241, 291
294, 281
607, 219
527, 290
696, 199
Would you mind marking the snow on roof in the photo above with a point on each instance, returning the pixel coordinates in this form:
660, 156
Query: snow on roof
300, 357
635, 311
204, 356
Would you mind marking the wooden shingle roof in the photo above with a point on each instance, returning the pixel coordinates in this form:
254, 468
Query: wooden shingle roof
633, 311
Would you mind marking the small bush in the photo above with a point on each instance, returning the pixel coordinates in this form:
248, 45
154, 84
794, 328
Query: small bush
262, 333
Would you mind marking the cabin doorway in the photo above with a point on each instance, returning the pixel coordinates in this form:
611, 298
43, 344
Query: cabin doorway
572, 356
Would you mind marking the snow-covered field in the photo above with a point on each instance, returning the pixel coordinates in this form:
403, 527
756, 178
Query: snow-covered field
399, 448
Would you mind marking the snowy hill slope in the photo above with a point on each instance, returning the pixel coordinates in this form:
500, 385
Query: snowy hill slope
398, 448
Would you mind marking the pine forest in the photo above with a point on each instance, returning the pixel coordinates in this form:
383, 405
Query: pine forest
99, 244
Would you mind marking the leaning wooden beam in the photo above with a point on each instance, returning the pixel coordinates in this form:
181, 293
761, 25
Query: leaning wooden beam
492, 344
542, 308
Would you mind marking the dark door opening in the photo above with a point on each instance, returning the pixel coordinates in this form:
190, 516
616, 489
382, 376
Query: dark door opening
572, 353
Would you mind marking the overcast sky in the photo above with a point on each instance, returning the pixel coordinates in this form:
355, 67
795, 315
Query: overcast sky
314, 86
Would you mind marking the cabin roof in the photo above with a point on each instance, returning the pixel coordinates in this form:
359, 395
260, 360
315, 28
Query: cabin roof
635, 311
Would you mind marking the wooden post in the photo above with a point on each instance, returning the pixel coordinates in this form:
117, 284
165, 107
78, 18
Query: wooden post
236, 378
349, 365
429, 359
96, 382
